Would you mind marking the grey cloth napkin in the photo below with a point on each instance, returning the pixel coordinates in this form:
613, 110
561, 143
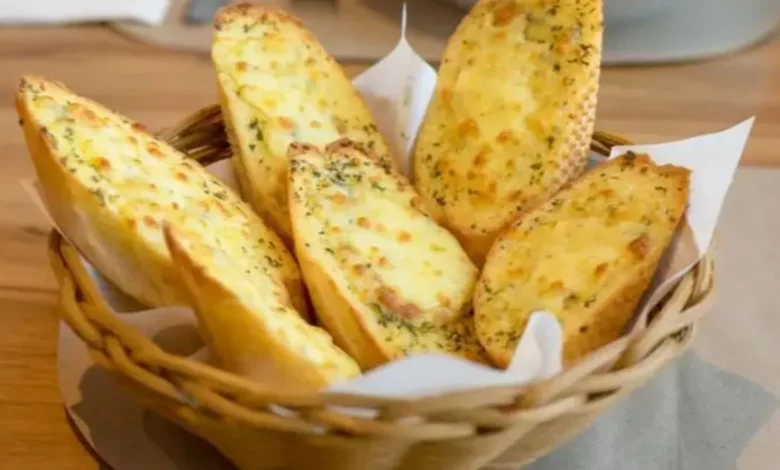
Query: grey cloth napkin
694, 416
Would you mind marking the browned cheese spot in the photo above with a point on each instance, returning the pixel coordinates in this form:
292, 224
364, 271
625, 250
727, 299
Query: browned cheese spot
443, 299
154, 150
101, 163
504, 137
222, 208
506, 13
82, 112
390, 299
150, 222
138, 127
287, 123
468, 128
339, 199
640, 246
404, 236
600, 270
480, 159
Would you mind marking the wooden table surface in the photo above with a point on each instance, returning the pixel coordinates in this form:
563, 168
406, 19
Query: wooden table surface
160, 87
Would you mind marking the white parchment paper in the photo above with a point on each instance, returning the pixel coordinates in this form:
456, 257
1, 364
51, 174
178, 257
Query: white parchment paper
397, 89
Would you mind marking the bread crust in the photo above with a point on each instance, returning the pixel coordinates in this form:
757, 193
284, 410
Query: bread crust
512, 114
364, 241
109, 186
250, 329
587, 255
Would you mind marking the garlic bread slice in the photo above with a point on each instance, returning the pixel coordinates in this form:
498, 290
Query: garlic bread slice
512, 114
278, 86
587, 255
251, 330
385, 279
109, 186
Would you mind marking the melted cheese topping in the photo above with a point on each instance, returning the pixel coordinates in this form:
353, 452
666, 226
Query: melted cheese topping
512, 114
411, 279
571, 255
145, 183
280, 86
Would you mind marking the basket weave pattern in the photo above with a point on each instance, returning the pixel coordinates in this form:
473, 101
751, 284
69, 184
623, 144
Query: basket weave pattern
496, 427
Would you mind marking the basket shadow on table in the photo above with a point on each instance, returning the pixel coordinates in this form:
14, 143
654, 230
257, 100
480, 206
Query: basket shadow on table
105, 404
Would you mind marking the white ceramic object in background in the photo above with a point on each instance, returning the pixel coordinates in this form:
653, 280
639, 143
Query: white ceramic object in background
631, 11
656, 31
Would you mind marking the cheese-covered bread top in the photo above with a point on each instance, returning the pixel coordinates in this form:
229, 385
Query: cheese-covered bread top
407, 279
252, 331
132, 182
586, 255
278, 85
512, 114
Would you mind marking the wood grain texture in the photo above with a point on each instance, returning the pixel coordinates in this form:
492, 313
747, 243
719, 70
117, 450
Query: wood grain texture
159, 87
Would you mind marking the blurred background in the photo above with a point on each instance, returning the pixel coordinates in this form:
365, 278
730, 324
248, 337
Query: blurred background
673, 68
664, 58
638, 31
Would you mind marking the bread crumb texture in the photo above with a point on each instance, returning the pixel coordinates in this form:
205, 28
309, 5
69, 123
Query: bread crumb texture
512, 114
586, 255
142, 182
408, 279
279, 86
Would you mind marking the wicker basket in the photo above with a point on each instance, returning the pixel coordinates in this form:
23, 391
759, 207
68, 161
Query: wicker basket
497, 427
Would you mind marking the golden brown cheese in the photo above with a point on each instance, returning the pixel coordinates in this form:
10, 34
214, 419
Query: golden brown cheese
386, 280
278, 85
109, 185
512, 114
283, 349
586, 256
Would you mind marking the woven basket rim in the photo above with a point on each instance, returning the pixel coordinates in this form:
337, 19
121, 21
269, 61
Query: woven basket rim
593, 382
